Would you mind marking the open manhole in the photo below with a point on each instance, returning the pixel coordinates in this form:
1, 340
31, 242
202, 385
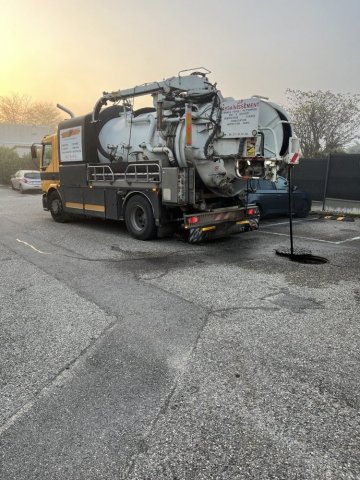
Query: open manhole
301, 256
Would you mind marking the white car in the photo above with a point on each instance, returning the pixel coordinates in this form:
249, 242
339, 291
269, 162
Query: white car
26, 180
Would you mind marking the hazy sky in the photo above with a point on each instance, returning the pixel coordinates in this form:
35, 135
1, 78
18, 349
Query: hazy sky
71, 51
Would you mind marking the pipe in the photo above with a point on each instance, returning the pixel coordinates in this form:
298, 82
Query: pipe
97, 108
152, 149
159, 115
66, 110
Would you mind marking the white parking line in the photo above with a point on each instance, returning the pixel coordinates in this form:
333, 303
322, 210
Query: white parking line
312, 239
287, 223
349, 240
31, 246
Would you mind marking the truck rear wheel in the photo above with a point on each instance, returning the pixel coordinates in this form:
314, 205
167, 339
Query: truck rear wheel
139, 218
56, 208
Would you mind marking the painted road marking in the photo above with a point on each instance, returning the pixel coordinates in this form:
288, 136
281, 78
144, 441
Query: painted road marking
350, 239
32, 246
311, 238
287, 222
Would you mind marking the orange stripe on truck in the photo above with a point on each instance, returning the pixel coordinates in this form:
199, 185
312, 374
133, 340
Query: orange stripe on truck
70, 133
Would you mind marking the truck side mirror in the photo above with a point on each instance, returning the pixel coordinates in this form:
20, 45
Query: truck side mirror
35, 148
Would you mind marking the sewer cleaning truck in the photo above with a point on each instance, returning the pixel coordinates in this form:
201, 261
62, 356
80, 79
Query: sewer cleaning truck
181, 164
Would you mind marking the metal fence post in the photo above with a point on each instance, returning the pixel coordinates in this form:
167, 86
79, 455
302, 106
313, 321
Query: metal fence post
326, 180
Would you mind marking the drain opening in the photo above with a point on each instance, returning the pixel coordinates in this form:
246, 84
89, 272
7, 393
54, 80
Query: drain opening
301, 256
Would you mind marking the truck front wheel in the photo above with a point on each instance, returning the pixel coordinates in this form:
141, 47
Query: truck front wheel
56, 208
139, 218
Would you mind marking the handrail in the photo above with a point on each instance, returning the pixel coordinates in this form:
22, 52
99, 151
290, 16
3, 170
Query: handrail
139, 176
135, 172
272, 131
96, 173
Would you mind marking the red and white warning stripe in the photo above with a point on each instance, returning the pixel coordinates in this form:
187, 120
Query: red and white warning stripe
294, 159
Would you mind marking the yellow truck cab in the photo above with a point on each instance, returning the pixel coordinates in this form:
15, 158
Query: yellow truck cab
50, 175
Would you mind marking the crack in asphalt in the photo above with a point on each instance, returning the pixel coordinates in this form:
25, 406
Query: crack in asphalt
61, 375
142, 444
242, 307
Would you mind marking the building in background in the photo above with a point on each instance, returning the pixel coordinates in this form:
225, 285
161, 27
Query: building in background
21, 137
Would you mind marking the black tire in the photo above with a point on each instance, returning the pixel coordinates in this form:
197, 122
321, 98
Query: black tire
303, 211
55, 205
139, 218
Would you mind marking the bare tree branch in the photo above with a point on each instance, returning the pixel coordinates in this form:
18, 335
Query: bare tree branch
325, 122
20, 109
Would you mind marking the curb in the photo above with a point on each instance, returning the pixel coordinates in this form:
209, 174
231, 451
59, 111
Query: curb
339, 218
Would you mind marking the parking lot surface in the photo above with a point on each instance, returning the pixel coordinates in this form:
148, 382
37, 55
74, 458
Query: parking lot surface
163, 360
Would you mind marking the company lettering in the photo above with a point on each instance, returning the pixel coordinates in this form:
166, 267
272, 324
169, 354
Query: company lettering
240, 106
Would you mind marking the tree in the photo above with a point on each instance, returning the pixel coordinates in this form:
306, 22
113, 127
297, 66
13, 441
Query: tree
355, 148
15, 108
43, 113
21, 109
325, 122
10, 162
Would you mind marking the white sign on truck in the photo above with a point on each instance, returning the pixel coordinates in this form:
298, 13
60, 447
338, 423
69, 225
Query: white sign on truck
240, 118
70, 145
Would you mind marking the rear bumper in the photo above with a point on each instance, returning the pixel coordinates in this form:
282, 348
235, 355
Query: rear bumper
26, 187
220, 222
202, 234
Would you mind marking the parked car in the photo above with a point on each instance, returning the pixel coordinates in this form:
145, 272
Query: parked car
272, 198
26, 180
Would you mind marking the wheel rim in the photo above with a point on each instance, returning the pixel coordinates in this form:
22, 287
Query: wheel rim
56, 206
138, 218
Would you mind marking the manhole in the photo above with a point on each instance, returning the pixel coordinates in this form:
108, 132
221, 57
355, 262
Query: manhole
301, 256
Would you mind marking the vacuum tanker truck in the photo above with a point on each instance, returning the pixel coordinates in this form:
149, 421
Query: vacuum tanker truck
180, 164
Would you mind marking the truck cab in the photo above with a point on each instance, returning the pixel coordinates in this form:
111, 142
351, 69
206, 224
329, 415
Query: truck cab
47, 152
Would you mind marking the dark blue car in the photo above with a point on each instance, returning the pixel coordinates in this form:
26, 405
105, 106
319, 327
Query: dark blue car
272, 198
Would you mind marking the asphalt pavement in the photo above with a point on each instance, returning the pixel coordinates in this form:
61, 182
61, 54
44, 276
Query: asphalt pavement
163, 360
